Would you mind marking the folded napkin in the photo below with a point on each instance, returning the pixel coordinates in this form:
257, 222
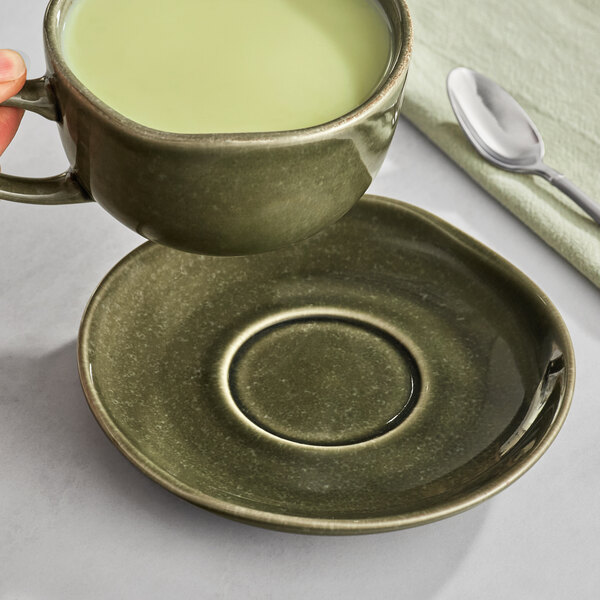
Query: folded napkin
546, 53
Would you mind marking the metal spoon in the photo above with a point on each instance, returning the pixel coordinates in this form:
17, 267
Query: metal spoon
503, 133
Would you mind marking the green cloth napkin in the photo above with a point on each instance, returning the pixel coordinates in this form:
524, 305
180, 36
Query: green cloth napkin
546, 53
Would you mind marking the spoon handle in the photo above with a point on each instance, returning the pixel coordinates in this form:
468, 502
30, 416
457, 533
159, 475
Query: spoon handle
572, 191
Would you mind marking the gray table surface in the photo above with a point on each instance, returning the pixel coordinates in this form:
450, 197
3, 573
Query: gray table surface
77, 520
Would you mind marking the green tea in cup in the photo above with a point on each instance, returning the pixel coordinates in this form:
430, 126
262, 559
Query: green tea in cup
228, 66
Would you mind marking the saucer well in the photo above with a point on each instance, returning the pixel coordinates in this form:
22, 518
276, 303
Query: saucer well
385, 373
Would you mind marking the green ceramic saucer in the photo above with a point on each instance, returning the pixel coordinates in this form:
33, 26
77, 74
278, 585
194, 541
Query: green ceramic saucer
387, 372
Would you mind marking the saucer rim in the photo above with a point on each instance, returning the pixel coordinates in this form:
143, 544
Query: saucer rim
320, 525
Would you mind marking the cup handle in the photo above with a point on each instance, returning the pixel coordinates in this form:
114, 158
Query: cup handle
37, 96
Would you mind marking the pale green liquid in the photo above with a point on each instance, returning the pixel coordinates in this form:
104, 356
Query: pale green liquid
209, 66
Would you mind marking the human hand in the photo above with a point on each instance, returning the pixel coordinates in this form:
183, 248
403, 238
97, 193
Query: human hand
12, 77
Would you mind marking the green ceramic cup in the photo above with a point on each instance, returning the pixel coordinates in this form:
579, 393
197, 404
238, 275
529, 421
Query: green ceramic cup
222, 194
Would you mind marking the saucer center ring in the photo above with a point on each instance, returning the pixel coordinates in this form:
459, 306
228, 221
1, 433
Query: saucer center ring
323, 379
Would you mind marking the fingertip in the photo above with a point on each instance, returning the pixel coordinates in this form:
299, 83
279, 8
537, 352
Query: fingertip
12, 66
13, 73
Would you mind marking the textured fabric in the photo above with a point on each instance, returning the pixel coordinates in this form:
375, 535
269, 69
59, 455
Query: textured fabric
546, 53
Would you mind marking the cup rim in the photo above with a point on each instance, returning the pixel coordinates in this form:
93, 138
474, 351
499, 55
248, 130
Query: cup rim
383, 92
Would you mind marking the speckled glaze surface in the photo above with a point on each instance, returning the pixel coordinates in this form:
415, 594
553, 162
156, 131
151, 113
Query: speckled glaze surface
222, 194
386, 372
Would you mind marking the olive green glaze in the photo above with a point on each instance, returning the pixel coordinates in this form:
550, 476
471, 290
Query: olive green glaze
323, 378
223, 194
387, 372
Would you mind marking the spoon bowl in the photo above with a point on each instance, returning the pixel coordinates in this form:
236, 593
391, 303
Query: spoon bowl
494, 121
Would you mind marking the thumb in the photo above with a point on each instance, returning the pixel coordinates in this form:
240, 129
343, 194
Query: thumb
12, 73
12, 78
